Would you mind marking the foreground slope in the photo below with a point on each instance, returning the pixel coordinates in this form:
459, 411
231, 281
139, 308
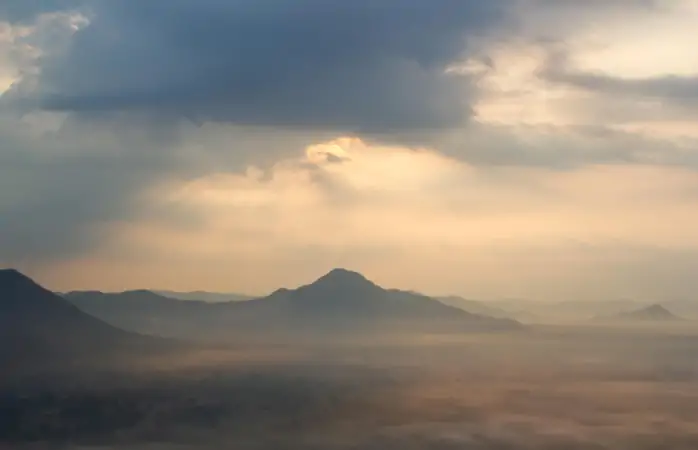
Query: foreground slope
38, 326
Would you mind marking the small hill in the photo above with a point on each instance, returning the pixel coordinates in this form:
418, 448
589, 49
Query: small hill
475, 307
686, 308
145, 311
204, 296
652, 313
575, 310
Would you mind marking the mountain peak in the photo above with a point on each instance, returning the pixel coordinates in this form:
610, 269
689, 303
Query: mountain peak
657, 311
652, 312
12, 281
19, 291
343, 278
7, 275
656, 308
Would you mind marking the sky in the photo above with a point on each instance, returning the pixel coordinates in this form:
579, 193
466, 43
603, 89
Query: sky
539, 149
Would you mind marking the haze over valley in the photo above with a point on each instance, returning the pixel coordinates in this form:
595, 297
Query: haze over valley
337, 363
348, 225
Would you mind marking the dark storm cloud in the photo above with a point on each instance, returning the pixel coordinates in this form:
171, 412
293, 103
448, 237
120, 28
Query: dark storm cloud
565, 147
675, 89
57, 188
313, 65
61, 189
26, 10
330, 66
357, 65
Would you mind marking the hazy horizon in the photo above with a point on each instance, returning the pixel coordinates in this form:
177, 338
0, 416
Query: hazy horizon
537, 158
190, 293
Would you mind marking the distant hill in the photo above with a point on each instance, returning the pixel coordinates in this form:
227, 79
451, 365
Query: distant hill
652, 313
38, 326
686, 308
340, 301
148, 312
565, 311
586, 309
203, 296
475, 307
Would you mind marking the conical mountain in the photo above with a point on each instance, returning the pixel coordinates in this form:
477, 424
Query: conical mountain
343, 279
346, 300
340, 291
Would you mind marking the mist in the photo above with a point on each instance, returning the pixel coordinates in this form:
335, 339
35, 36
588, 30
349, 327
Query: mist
348, 225
547, 388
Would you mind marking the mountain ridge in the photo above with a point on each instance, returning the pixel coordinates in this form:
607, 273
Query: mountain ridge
340, 299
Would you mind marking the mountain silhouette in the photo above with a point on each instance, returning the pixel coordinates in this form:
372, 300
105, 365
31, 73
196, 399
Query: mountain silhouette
652, 313
348, 301
204, 296
475, 307
340, 301
148, 312
37, 325
26, 307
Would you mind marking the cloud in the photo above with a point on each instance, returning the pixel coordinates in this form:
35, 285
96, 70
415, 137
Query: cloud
102, 83
678, 89
637, 60
564, 147
58, 183
356, 66
116, 77
26, 11
65, 181
414, 219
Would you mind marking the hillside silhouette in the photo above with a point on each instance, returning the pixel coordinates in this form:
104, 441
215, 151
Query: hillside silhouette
339, 301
